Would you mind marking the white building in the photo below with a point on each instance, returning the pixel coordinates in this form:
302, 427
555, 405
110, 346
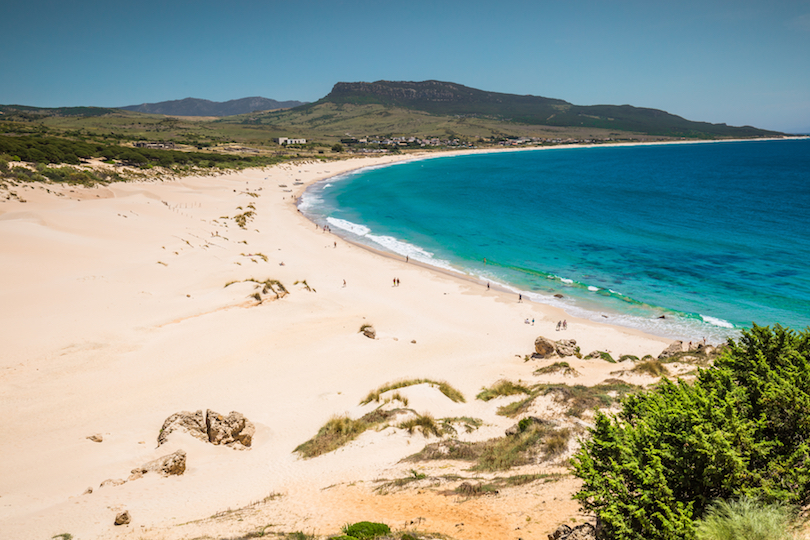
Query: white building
285, 140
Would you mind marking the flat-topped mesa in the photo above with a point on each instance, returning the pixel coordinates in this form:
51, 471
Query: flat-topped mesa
233, 430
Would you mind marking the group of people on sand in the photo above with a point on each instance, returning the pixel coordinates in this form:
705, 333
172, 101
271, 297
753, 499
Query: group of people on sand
396, 282
562, 325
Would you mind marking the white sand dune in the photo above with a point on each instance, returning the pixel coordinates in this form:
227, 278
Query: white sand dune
115, 314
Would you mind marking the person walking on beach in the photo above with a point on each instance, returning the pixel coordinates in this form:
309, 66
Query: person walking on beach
397, 282
344, 282
487, 286
520, 298
565, 325
559, 324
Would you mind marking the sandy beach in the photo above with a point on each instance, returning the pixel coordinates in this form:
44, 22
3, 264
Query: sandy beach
116, 314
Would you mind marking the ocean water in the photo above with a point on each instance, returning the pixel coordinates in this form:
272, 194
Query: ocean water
711, 236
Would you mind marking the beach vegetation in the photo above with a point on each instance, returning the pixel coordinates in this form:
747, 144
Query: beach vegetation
748, 519
630, 357
244, 218
340, 430
469, 424
307, 287
656, 468
604, 355
453, 394
501, 388
424, 423
579, 398
653, 368
532, 440
366, 529
557, 367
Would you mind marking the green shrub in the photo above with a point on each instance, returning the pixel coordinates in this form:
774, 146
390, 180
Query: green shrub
742, 428
606, 357
746, 519
366, 529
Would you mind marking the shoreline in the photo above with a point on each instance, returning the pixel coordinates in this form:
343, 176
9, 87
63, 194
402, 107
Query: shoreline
505, 287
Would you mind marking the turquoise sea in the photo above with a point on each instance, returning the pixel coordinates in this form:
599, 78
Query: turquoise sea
711, 236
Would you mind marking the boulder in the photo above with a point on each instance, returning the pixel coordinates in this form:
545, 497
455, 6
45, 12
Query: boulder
369, 332
674, 348
96, 437
586, 531
566, 347
594, 355
193, 423
233, 430
544, 347
123, 518
171, 464
561, 532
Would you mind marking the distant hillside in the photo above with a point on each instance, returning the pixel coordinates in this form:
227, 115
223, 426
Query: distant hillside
204, 107
450, 99
11, 112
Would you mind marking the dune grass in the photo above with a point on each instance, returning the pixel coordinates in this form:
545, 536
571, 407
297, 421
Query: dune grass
453, 394
653, 368
424, 423
502, 388
340, 430
747, 519
557, 367
501, 453
578, 397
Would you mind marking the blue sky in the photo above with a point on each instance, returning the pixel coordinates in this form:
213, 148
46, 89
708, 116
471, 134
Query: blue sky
738, 62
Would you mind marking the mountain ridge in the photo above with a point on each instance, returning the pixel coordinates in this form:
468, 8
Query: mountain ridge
204, 107
452, 99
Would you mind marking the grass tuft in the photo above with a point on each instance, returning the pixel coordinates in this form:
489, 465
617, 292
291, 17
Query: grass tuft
564, 367
654, 368
340, 430
453, 394
606, 357
501, 388
425, 423
747, 519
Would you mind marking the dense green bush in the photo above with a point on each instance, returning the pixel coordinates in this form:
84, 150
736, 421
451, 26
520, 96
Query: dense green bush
741, 429
366, 529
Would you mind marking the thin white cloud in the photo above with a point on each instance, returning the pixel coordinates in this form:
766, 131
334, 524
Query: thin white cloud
802, 22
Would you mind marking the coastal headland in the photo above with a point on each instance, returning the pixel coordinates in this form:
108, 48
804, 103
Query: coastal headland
127, 303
